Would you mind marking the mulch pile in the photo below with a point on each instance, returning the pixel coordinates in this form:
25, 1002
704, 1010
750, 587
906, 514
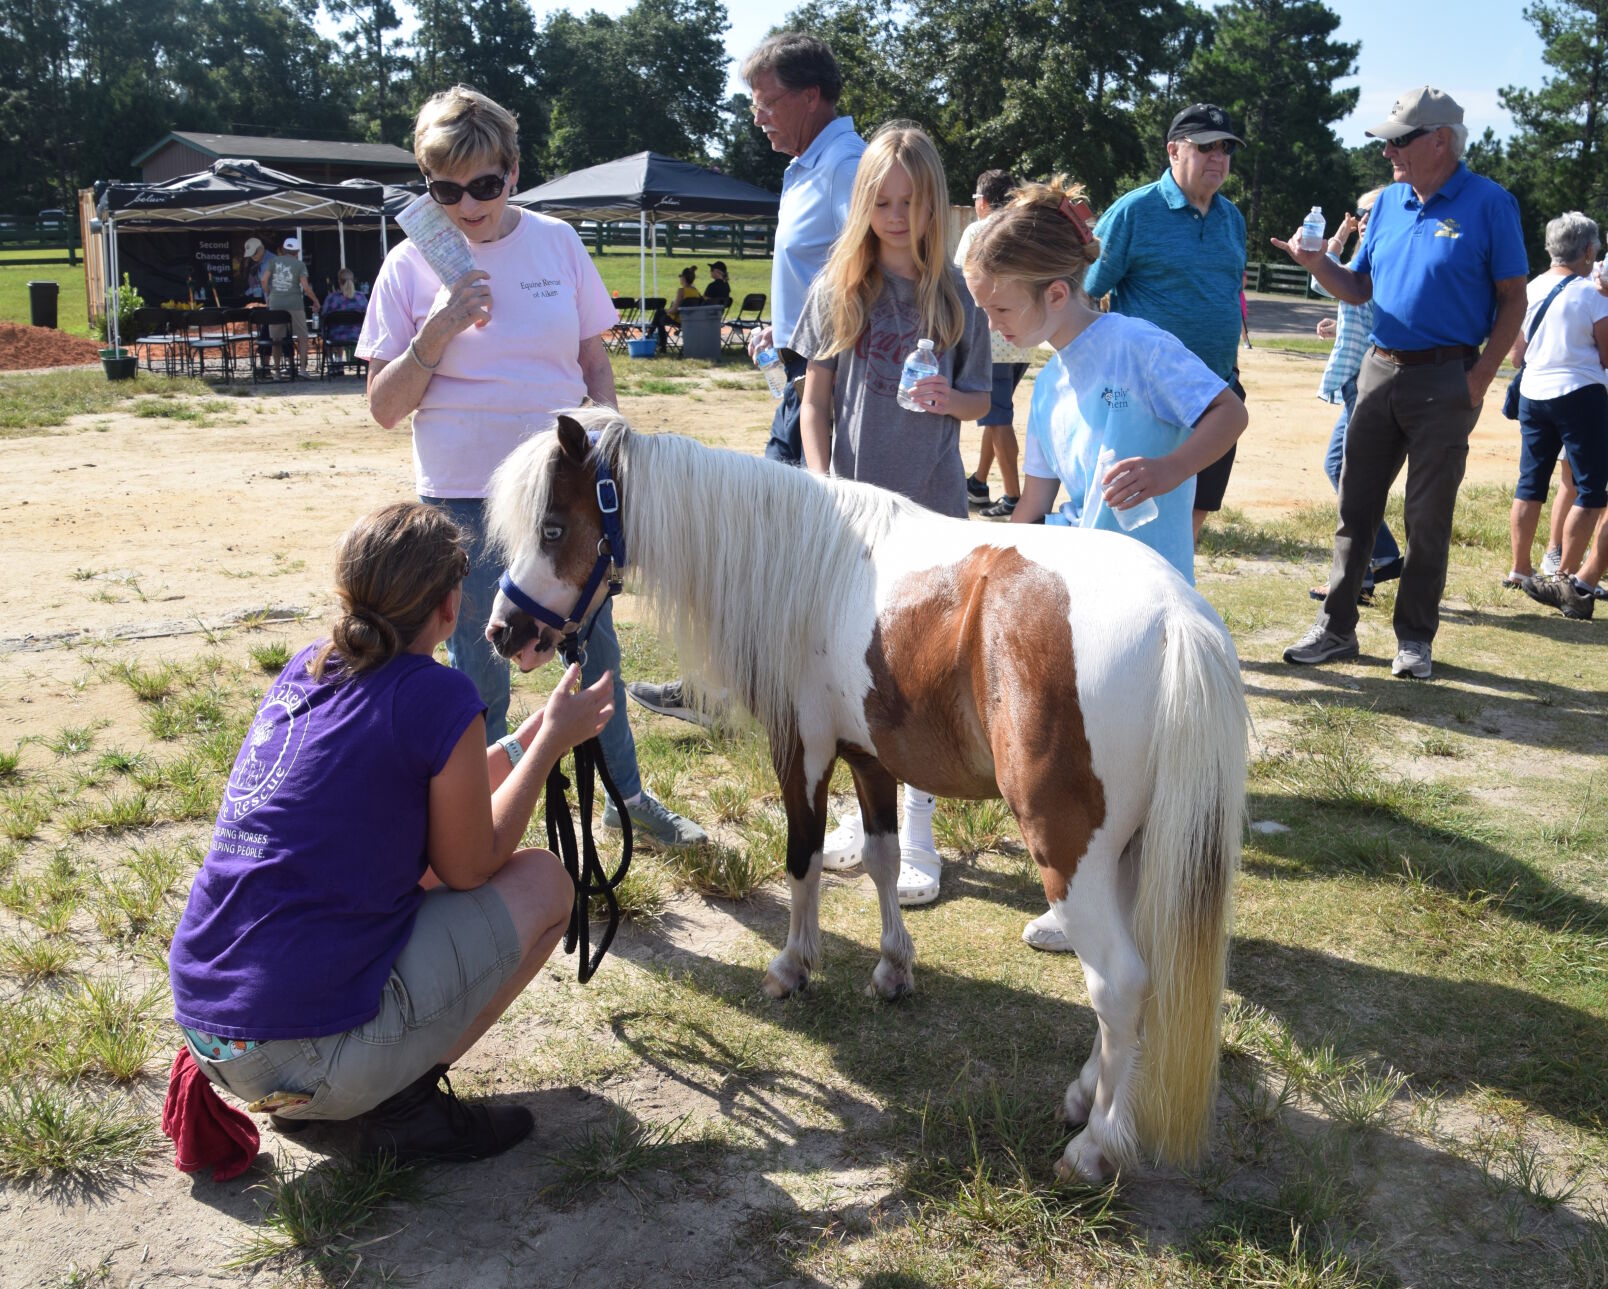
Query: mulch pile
24, 347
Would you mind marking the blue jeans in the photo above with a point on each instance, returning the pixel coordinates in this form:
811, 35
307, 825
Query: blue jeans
1385, 550
469, 651
787, 437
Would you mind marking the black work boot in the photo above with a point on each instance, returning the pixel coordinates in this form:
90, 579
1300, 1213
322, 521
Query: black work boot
425, 1122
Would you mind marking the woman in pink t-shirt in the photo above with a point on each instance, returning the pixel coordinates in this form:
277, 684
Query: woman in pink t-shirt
482, 363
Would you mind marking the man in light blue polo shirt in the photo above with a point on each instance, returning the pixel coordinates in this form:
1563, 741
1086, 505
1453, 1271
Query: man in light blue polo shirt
1173, 253
1443, 262
795, 83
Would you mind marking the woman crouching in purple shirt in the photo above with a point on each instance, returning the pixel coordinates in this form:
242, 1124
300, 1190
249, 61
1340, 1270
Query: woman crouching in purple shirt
365, 911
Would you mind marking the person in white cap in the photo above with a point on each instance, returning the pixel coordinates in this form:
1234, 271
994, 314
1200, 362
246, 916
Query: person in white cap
1444, 263
284, 283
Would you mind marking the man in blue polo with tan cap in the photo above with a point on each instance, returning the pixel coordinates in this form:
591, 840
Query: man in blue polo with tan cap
1173, 253
1443, 262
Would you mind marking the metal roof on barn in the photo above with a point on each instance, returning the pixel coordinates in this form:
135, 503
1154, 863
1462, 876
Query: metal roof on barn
186, 151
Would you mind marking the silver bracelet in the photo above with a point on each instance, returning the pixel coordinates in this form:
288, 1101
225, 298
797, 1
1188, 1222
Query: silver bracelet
510, 744
414, 354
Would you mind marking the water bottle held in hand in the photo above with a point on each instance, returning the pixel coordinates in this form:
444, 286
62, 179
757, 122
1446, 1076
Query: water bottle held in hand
770, 362
1312, 230
918, 366
1134, 516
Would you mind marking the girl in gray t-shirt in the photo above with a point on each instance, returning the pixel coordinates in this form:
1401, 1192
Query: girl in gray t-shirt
888, 284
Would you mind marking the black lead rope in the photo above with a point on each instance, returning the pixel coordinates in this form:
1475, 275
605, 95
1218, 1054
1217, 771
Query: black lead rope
585, 870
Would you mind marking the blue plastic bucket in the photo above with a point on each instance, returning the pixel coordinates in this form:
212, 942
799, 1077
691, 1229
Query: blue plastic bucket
642, 348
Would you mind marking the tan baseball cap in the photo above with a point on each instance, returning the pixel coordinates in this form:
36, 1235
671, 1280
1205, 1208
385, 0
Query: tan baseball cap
253, 247
1425, 108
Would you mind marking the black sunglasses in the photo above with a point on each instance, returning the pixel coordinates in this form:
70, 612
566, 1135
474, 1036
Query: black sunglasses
484, 188
1412, 136
1226, 146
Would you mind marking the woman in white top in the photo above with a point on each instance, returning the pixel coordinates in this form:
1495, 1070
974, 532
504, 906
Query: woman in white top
1563, 407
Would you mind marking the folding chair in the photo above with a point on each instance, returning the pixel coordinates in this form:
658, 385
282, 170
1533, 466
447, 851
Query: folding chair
240, 334
204, 334
626, 328
328, 322
152, 334
739, 327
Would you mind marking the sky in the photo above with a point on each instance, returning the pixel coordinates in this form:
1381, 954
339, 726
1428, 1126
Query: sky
1469, 48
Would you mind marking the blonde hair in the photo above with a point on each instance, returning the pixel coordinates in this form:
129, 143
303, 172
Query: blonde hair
852, 280
460, 128
393, 569
1032, 242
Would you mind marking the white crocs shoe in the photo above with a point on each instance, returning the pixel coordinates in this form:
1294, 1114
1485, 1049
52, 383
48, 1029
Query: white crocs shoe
918, 874
843, 845
1044, 932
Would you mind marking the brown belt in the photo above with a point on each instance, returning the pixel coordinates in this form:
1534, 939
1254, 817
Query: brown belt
1424, 357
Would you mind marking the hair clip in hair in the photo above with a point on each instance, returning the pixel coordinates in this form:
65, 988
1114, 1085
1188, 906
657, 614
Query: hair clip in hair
1079, 216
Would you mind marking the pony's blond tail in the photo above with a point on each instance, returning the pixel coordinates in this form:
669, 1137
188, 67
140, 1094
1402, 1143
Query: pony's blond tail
1190, 849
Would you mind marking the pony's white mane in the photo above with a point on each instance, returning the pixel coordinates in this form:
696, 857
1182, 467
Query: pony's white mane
751, 567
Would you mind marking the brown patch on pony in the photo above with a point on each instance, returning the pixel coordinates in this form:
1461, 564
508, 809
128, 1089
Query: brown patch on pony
805, 803
974, 694
574, 507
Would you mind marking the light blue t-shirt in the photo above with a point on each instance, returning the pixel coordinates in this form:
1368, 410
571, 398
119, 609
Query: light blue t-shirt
816, 188
1164, 261
1435, 264
1125, 383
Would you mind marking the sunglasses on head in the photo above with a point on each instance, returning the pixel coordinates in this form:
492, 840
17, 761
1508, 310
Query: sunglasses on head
1411, 136
1226, 146
484, 188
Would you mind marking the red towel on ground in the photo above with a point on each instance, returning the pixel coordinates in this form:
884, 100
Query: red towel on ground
205, 1130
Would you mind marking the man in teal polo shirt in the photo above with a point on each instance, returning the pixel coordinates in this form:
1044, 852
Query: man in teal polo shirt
1443, 262
1173, 253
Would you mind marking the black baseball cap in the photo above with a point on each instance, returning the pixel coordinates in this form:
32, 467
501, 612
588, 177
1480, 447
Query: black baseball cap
1202, 123
718, 264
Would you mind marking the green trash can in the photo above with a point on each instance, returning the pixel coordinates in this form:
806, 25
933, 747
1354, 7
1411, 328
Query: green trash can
700, 331
42, 303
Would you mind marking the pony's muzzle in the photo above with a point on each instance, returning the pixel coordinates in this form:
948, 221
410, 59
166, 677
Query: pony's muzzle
519, 635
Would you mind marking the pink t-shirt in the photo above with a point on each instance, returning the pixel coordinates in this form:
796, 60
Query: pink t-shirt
503, 382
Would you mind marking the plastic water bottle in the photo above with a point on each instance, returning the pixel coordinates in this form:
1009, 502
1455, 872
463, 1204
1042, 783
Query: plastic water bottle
1312, 230
770, 362
1134, 516
918, 366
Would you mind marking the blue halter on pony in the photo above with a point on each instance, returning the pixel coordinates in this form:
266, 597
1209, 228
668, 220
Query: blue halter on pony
610, 563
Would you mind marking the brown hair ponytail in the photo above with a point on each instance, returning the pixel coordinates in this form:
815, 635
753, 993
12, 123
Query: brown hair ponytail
392, 571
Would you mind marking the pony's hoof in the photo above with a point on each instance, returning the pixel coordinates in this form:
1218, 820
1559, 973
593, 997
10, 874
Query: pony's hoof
1082, 1162
1075, 1107
889, 982
784, 978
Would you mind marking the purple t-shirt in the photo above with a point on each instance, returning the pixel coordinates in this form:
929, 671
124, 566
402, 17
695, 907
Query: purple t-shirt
309, 892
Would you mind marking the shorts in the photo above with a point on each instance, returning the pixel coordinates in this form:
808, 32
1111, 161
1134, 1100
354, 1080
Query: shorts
1212, 482
463, 949
1575, 423
1007, 376
298, 326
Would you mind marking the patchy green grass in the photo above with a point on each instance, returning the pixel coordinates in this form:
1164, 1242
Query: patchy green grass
46, 400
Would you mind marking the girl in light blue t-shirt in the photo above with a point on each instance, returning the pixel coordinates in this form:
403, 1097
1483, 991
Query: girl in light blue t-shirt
1114, 381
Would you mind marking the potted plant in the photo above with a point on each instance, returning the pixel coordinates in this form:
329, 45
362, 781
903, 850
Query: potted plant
120, 363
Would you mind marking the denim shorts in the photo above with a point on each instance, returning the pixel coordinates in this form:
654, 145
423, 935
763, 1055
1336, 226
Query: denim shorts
463, 949
1575, 423
1007, 376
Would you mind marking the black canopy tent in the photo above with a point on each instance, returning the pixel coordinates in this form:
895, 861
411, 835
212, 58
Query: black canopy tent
232, 196
652, 189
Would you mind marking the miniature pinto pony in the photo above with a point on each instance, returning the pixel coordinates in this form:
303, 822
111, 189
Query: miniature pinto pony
1071, 672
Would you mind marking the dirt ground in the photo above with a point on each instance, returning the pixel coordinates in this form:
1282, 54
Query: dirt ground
149, 533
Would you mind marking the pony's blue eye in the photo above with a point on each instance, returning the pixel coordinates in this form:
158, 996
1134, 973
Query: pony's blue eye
552, 533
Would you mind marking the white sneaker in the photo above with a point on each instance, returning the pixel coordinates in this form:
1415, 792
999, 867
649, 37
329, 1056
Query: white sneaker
1044, 932
843, 845
918, 874
1552, 560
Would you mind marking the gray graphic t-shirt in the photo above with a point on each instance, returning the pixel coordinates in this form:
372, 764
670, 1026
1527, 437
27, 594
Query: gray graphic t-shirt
285, 273
916, 454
